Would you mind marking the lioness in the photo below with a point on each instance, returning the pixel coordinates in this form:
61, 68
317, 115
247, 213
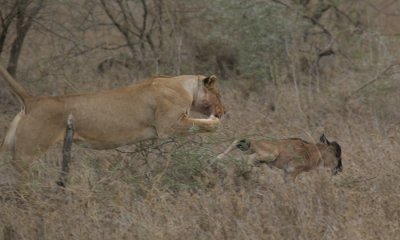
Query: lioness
293, 155
156, 108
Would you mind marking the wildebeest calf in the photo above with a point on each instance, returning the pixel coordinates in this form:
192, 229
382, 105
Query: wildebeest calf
293, 155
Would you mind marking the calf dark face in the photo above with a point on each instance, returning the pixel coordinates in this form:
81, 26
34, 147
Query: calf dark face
337, 151
338, 155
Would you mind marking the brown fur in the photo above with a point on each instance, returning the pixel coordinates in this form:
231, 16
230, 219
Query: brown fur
158, 107
293, 155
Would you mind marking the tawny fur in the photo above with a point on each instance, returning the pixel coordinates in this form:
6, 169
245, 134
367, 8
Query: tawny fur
158, 107
292, 155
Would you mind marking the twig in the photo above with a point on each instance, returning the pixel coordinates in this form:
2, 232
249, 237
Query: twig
145, 148
376, 78
281, 3
359, 181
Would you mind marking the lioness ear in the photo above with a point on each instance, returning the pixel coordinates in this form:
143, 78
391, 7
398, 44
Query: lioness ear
210, 81
324, 140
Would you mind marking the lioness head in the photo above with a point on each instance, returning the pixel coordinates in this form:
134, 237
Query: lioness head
208, 100
332, 156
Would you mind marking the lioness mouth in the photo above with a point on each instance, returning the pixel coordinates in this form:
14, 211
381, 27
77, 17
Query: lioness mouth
217, 115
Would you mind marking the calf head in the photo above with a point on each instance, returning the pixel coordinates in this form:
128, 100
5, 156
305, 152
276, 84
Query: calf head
332, 156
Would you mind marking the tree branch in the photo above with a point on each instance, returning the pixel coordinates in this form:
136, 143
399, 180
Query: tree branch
376, 78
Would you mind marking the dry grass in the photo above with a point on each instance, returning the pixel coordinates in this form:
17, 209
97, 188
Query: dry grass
179, 194
175, 191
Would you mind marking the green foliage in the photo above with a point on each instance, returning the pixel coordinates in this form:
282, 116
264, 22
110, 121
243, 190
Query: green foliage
187, 166
258, 31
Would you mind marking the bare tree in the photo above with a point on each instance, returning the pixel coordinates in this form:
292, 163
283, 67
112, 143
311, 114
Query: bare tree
7, 15
22, 13
136, 21
26, 13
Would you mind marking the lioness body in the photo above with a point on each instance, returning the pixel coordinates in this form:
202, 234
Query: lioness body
293, 155
157, 107
107, 119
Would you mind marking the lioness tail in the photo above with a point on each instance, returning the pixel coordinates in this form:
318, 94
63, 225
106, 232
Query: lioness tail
17, 89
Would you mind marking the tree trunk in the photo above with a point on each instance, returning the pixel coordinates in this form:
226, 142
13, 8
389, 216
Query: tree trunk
24, 23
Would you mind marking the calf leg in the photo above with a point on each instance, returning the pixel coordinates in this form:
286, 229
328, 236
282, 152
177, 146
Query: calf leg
228, 150
264, 157
292, 169
68, 138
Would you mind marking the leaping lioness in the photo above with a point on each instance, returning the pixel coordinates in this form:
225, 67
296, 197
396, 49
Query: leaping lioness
293, 155
158, 107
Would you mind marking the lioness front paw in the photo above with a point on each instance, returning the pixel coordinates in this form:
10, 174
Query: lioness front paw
215, 122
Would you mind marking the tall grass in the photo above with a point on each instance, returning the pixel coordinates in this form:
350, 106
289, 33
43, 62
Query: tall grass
182, 194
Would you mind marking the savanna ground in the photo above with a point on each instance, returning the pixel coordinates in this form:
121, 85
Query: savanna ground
174, 189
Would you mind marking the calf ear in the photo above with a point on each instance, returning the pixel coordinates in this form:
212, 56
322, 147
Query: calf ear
324, 140
210, 81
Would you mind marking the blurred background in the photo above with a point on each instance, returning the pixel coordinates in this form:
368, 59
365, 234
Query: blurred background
287, 68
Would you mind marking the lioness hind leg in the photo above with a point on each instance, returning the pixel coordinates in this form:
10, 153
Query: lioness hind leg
34, 136
7, 151
68, 138
8, 144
